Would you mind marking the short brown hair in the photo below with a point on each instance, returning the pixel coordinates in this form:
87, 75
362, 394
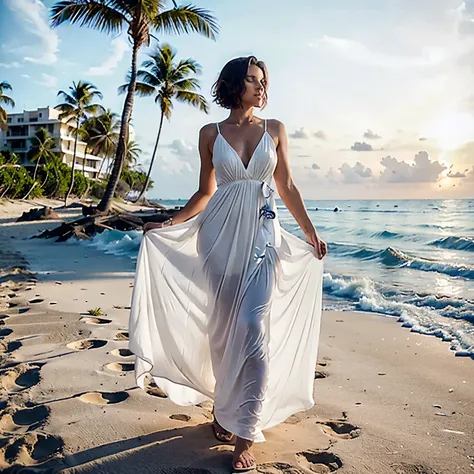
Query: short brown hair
229, 87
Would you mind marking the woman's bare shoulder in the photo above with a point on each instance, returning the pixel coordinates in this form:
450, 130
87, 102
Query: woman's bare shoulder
209, 130
276, 124
276, 129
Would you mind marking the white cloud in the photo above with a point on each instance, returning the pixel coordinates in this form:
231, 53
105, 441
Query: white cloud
301, 133
423, 170
48, 81
170, 165
26, 76
118, 49
371, 135
361, 146
456, 175
350, 174
12, 65
34, 16
320, 134
183, 148
358, 52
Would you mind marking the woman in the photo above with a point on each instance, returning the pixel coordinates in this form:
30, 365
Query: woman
226, 305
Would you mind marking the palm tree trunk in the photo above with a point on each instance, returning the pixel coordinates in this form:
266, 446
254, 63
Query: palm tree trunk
34, 177
100, 168
6, 191
106, 200
73, 163
84, 163
147, 180
31, 189
45, 180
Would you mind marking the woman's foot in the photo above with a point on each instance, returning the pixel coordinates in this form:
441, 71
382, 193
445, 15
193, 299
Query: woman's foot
221, 433
243, 460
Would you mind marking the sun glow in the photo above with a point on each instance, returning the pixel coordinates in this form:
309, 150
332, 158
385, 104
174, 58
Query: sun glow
450, 129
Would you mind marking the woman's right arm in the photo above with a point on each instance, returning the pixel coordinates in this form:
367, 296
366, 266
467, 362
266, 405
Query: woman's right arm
207, 181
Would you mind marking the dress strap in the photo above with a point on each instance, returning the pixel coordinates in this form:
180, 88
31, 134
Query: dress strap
265, 124
218, 129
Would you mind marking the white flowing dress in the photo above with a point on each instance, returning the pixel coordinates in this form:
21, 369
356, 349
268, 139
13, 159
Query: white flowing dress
227, 305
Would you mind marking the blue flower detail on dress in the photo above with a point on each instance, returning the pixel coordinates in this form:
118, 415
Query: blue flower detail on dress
266, 211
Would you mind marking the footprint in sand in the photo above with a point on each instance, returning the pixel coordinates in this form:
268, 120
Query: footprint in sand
122, 352
19, 378
152, 389
94, 320
103, 398
121, 366
86, 344
121, 336
5, 332
9, 346
22, 310
180, 417
404, 468
14, 420
339, 429
321, 462
29, 449
36, 301
319, 374
277, 468
4, 316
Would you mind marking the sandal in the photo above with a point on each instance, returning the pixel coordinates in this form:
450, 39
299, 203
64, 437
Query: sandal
221, 433
244, 469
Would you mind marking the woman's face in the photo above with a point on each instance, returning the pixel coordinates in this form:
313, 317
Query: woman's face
254, 87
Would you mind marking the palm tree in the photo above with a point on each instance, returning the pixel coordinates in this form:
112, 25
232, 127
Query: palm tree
138, 18
102, 135
165, 79
42, 145
78, 106
4, 99
131, 157
133, 153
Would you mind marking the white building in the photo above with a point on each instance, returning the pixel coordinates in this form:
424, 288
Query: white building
23, 126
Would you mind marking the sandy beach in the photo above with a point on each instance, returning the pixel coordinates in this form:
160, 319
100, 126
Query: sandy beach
387, 400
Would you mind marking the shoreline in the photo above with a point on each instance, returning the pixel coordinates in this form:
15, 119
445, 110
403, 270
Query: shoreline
377, 390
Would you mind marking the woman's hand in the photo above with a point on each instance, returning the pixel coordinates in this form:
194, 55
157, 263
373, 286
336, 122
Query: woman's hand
155, 225
319, 245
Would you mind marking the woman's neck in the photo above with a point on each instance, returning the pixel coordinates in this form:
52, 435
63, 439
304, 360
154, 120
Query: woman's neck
241, 116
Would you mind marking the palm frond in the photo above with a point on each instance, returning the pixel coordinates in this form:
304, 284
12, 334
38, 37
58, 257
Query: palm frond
188, 84
141, 89
187, 19
67, 111
103, 15
197, 100
4, 85
150, 78
93, 109
68, 98
4, 99
186, 66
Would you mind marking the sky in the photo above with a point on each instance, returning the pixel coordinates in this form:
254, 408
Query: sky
377, 96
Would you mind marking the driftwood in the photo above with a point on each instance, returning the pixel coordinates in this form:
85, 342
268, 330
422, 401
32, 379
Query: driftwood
90, 225
38, 214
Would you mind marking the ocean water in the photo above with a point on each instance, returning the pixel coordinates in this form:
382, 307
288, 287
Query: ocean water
413, 259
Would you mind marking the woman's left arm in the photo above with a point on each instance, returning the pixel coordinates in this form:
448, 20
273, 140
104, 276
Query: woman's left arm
290, 194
